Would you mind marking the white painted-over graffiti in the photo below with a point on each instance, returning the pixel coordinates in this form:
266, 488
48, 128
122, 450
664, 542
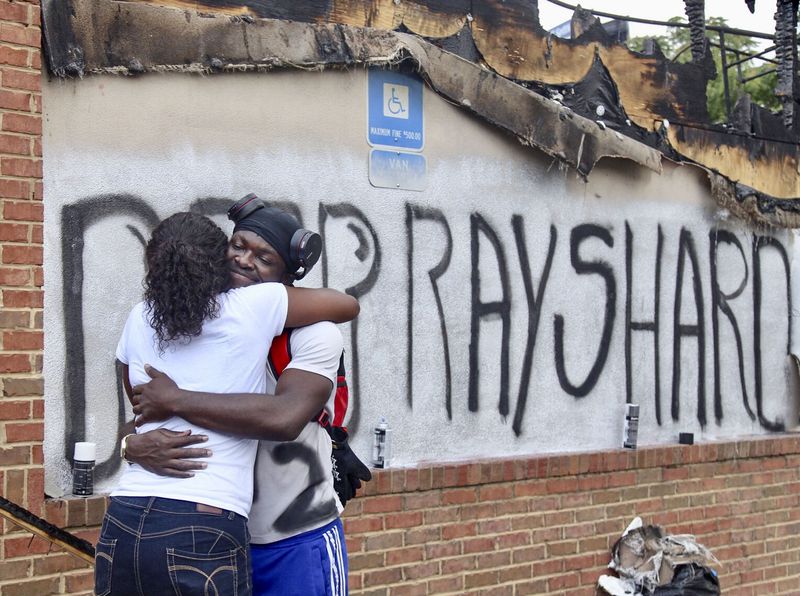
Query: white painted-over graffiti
507, 309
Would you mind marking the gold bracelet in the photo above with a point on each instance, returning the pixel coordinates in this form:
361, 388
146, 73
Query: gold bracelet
123, 447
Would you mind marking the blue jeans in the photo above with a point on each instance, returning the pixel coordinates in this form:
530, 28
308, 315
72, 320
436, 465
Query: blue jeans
150, 546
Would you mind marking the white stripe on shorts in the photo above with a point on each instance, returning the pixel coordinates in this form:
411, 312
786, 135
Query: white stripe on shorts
333, 560
340, 560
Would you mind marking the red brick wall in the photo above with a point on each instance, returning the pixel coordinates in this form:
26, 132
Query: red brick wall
21, 404
545, 525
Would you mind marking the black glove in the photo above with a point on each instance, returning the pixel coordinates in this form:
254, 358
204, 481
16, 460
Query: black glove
348, 470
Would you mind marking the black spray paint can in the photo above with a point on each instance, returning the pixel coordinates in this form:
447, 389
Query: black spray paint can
83, 469
381, 444
630, 434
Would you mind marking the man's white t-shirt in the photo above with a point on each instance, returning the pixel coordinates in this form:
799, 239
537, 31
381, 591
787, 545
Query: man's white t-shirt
294, 482
227, 357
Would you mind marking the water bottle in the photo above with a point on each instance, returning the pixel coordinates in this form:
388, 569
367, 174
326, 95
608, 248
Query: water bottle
381, 444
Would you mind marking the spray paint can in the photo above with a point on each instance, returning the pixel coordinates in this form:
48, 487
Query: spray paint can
381, 444
83, 469
630, 433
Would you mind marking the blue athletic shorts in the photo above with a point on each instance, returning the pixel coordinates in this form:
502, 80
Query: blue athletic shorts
310, 564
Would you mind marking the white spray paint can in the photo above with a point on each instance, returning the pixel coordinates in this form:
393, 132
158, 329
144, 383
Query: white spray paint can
381, 444
630, 433
83, 469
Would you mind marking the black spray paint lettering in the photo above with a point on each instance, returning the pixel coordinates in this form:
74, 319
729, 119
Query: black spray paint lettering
648, 326
680, 333
686, 247
76, 219
603, 269
534, 301
720, 302
759, 243
346, 210
418, 212
481, 310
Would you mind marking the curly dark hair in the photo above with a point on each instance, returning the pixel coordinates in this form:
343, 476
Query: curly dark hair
186, 271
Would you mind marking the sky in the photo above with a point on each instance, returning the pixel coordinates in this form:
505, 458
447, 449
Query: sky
735, 11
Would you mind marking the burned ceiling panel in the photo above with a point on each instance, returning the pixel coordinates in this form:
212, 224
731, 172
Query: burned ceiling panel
774, 163
577, 100
116, 37
650, 88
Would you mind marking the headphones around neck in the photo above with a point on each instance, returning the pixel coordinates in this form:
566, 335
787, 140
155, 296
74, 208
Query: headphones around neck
305, 247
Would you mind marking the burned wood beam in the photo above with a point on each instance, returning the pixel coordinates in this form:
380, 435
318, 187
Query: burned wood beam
117, 38
696, 15
786, 51
63, 54
749, 204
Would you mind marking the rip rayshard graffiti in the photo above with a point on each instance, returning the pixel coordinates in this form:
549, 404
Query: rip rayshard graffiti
681, 329
662, 291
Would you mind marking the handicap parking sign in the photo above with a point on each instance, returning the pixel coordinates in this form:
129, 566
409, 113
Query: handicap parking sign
394, 110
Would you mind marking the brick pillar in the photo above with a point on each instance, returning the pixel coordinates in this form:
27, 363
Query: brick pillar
21, 334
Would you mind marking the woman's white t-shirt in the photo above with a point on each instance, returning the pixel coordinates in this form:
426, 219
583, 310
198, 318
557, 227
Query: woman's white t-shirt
229, 356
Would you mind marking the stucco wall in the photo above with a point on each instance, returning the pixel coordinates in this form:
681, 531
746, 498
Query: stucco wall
517, 240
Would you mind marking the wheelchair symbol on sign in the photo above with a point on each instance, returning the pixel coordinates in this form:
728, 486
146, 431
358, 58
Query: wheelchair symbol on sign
395, 101
394, 105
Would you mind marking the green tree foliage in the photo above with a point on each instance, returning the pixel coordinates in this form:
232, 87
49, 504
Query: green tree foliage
676, 46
